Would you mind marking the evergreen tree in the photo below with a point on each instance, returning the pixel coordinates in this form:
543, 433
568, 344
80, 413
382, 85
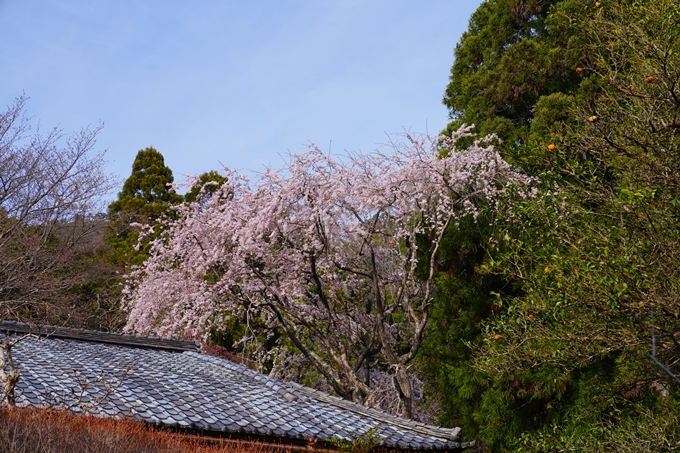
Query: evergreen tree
509, 57
145, 198
146, 194
514, 55
205, 186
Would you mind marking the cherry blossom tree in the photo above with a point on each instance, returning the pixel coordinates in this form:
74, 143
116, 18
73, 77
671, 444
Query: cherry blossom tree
327, 251
51, 188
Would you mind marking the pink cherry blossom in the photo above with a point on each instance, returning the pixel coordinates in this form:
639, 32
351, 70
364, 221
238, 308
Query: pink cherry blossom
326, 251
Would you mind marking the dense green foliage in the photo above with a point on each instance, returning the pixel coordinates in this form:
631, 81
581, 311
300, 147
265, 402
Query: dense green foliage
205, 186
510, 56
146, 196
542, 333
145, 200
507, 60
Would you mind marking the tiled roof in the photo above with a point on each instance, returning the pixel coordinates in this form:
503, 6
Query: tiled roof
188, 389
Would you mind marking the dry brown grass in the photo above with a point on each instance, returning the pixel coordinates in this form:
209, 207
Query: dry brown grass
48, 431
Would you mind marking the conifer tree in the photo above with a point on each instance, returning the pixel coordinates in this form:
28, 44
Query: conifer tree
514, 55
205, 186
146, 196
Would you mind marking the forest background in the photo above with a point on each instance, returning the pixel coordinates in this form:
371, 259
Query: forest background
555, 317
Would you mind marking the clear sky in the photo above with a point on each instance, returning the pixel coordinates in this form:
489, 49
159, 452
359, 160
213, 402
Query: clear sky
238, 83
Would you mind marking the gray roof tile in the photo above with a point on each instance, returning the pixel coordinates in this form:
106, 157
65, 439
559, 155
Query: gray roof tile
171, 386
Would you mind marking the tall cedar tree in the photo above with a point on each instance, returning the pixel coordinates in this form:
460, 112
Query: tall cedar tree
504, 63
507, 59
145, 198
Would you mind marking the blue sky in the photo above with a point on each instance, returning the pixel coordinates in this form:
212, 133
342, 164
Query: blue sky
234, 83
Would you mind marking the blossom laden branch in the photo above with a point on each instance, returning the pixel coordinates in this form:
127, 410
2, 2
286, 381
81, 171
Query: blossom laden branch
325, 250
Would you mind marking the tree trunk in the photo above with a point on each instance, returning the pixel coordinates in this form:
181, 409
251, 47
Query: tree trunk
403, 385
8, 379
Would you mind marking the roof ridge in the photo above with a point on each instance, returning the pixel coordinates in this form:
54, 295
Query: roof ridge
95, 336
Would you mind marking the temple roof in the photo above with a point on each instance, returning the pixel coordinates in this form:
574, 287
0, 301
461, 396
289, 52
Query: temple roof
171, 383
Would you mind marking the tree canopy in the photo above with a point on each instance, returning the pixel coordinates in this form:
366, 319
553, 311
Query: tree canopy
512, 54
146, 196
205, 185
326, 253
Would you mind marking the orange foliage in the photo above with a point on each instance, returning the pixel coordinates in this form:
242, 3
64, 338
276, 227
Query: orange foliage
42, 431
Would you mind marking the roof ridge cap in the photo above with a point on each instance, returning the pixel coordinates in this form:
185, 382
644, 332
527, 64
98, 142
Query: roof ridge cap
96, 336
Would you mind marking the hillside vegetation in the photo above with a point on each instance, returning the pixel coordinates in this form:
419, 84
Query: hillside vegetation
556, 324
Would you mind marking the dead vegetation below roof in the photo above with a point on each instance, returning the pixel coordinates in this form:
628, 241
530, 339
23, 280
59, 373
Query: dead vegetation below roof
47, 431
